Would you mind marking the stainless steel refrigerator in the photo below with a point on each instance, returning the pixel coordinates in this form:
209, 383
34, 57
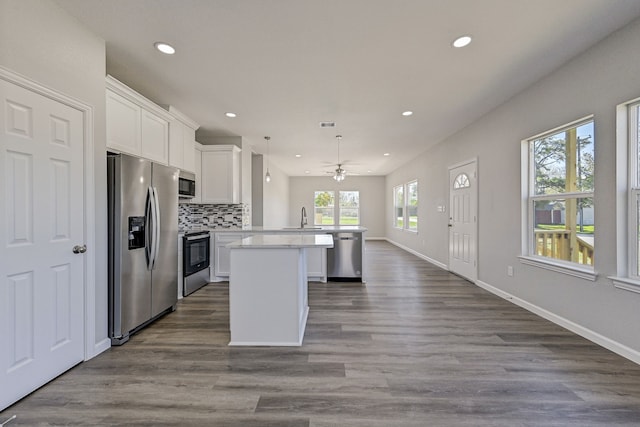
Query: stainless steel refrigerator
143, 239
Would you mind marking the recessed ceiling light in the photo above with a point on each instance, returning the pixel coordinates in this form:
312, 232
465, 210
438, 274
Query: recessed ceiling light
462, 41
231, 115
387, 154
307, 172
298, 156
369, 171
407, 113
165, 48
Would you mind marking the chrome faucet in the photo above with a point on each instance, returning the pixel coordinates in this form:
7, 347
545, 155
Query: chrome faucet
303, 217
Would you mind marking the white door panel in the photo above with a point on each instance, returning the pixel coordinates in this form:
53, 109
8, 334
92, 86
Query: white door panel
42, 217
463, 220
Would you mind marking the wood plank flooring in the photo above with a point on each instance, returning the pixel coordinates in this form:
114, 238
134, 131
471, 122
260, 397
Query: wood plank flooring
415, 346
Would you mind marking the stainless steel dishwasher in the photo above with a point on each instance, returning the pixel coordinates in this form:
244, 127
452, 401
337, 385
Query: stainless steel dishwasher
344, 260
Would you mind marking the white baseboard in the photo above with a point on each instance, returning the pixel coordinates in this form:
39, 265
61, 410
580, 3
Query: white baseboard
595, 337
375, 238
418, 254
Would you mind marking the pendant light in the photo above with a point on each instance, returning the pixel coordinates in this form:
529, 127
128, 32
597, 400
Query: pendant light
267, 176
340, 173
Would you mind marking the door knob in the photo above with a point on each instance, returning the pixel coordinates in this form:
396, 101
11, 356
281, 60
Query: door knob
79, 249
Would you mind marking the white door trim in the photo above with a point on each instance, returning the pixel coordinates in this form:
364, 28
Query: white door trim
473, 160
91, 348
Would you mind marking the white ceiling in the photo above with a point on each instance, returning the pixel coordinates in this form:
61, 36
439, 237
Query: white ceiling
285, 65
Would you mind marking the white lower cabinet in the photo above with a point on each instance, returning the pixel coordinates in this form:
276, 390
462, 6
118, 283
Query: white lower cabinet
317, 264
222, 254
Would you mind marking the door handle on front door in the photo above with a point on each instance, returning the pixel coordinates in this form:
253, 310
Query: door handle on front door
79, 249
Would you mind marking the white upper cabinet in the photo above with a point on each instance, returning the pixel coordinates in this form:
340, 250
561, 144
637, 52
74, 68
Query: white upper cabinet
220, 174
155, 137
182, 137
198, 172
123, 124
136, 125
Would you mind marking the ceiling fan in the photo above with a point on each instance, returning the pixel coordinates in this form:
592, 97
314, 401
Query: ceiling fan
339, 174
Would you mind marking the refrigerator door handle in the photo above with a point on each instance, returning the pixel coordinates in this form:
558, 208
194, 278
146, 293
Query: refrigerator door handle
154, 227
155, 244
148, 207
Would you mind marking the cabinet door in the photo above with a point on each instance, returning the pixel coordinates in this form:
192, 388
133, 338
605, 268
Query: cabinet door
176, 144
123, 124
155, 137
189, 148
222, 258
317, 263
217, 177
198, 172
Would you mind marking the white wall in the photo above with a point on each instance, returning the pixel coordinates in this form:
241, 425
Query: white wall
593, 83
275, 202
42, 42
257, 188
372, 200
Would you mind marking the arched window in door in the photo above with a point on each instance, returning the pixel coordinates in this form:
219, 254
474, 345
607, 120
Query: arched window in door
461, 181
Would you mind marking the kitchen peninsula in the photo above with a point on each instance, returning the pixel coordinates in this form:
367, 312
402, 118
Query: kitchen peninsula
268, 303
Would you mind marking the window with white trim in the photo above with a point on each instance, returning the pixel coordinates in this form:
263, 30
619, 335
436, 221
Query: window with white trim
398, 206
349, 213
628, 198
405, 206
324, 208
412, 206
347, 210
559, 195
633, 227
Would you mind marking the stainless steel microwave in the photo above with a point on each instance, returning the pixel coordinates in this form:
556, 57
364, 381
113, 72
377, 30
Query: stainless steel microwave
186, 185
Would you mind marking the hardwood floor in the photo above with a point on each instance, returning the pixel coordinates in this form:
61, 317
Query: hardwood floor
416, 346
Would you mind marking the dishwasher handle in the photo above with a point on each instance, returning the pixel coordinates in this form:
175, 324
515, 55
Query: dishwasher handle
345, 238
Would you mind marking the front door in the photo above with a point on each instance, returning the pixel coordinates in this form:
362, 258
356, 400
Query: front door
41, 220
463, 218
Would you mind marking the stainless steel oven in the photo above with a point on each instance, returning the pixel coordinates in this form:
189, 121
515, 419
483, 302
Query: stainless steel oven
196, 259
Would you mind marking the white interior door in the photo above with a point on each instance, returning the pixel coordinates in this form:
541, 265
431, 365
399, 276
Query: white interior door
42, 219
463, 219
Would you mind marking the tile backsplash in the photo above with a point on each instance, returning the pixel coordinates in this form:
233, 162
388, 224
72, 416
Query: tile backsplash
216, 216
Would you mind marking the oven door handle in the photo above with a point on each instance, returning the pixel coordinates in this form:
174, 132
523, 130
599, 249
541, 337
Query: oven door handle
198, 237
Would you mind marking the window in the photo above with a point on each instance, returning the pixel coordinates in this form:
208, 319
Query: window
560, 211
628, 203
634, 191
461, 181
412, 205
405, 199
348, 208
398, 206
324, 208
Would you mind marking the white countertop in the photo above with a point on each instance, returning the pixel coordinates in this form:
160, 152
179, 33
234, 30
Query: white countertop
282, 230
283, 241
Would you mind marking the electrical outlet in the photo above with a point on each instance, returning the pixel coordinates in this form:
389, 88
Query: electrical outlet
509, 271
